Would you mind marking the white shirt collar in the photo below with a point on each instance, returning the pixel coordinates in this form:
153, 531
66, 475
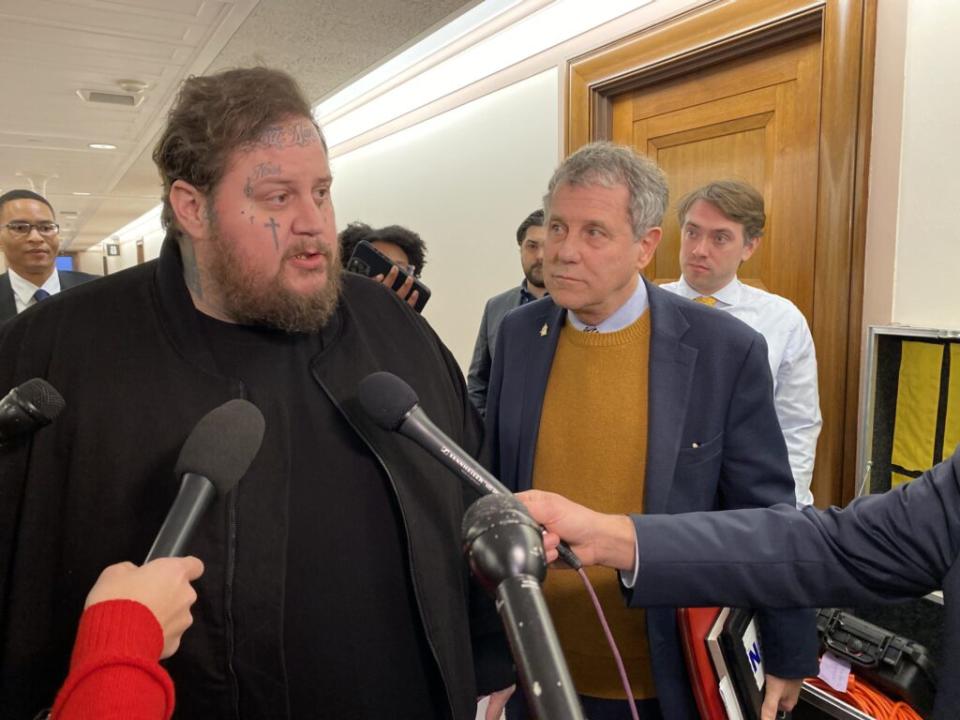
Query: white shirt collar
625, 315
729, 294
23, 289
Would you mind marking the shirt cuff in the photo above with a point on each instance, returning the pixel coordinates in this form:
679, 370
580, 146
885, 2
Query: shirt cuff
629, 579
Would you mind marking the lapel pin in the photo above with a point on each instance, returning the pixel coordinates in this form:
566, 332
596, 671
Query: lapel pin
695, 446
544, 330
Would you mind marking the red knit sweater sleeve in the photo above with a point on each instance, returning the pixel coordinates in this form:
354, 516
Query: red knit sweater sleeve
114, 671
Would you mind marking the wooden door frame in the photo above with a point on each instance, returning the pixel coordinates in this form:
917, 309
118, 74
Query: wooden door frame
723, 30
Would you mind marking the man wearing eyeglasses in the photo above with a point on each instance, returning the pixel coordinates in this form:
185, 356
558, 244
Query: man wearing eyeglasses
30, 240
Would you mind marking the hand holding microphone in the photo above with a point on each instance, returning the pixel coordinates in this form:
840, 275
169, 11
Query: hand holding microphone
163, 586
502, 543
597, 538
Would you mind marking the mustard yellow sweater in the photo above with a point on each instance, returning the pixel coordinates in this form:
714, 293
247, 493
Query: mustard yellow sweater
592, 448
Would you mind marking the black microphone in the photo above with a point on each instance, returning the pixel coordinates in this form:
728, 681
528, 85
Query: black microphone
505, 551
27, 408
214, 457
393, 405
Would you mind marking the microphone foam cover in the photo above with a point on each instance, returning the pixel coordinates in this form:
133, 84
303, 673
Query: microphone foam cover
223, 444
42, 396
491, 511
386, 399
501, 540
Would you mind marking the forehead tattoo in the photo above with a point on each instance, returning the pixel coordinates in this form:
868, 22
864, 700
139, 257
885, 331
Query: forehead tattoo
300, 134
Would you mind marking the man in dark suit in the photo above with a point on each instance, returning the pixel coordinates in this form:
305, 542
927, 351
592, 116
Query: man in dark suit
530, 239
630, 399
30, 240
881, 548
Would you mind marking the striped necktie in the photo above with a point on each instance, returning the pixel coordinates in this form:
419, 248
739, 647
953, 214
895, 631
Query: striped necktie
705, 300
590, 329
41, 294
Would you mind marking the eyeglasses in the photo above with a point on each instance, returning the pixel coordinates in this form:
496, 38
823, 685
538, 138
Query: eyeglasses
46, 229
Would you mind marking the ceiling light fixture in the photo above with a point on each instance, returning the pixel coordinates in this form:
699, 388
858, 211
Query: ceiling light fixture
82, 194
101, 146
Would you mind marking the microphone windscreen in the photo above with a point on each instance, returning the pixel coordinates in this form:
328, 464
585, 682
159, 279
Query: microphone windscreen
223, 444
501, 541
386, 399
42, 396
491, 511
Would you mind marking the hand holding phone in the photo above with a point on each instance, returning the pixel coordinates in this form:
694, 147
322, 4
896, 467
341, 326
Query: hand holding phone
367, 260
407, 291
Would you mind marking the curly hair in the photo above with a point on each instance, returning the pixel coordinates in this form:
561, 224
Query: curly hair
350, 237
412, 244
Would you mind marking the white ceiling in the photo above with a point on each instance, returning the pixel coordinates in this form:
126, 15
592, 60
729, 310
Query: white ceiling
51, 48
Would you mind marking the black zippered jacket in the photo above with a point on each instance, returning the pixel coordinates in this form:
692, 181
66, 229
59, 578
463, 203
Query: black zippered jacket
94, 487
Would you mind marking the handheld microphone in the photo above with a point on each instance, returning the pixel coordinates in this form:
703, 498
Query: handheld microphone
505, 551
214, 457
27, 408
393, 405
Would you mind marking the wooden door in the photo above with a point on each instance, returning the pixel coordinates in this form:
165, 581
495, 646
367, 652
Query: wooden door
753, 119
776, 93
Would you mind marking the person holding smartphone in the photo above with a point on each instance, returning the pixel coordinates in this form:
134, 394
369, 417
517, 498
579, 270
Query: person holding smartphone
404, 248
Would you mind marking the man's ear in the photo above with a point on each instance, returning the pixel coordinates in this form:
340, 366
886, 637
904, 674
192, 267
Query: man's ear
190, 207
648, 246
749, 248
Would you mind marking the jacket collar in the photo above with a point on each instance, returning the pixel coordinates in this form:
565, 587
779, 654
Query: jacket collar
177, 312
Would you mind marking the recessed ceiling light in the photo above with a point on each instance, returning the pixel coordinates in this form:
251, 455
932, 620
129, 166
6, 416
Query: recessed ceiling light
81, 193
101, 146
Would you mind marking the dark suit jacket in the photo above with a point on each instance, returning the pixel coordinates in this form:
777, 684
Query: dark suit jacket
8, 305
714, 443
479, 375
882, 548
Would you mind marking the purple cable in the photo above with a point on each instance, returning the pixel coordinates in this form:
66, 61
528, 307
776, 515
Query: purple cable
611, 642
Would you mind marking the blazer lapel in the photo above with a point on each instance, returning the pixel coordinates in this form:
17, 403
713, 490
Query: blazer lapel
546, 328
8, 306
671, 379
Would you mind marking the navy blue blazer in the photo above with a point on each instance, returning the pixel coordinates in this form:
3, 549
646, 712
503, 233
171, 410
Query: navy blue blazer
881, 548
714, 443
8, 305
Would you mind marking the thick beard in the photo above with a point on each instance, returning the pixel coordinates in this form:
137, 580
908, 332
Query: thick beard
530, 279
250, 299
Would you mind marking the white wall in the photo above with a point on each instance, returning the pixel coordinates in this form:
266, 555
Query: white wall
927, 286
92, 260
463, 180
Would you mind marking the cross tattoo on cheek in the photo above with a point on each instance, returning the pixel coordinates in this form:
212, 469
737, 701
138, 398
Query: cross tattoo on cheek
273, 228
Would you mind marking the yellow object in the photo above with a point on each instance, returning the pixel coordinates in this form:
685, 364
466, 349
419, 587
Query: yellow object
951, 427
706, 300
918, 398
592, 448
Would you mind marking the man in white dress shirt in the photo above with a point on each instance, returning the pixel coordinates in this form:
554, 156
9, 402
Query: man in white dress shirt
30, 241
720, 228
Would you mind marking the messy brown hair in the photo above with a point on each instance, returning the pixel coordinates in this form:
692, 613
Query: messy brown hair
737, 200
213, 116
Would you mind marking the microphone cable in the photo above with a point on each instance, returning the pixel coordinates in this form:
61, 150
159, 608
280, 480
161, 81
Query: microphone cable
621, 668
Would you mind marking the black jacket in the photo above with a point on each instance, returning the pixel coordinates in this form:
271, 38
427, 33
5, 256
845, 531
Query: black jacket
8, 304
93, 488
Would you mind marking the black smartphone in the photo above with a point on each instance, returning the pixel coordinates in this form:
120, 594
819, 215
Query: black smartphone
367, 260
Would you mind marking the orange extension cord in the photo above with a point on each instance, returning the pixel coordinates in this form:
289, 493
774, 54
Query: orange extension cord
865, 698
